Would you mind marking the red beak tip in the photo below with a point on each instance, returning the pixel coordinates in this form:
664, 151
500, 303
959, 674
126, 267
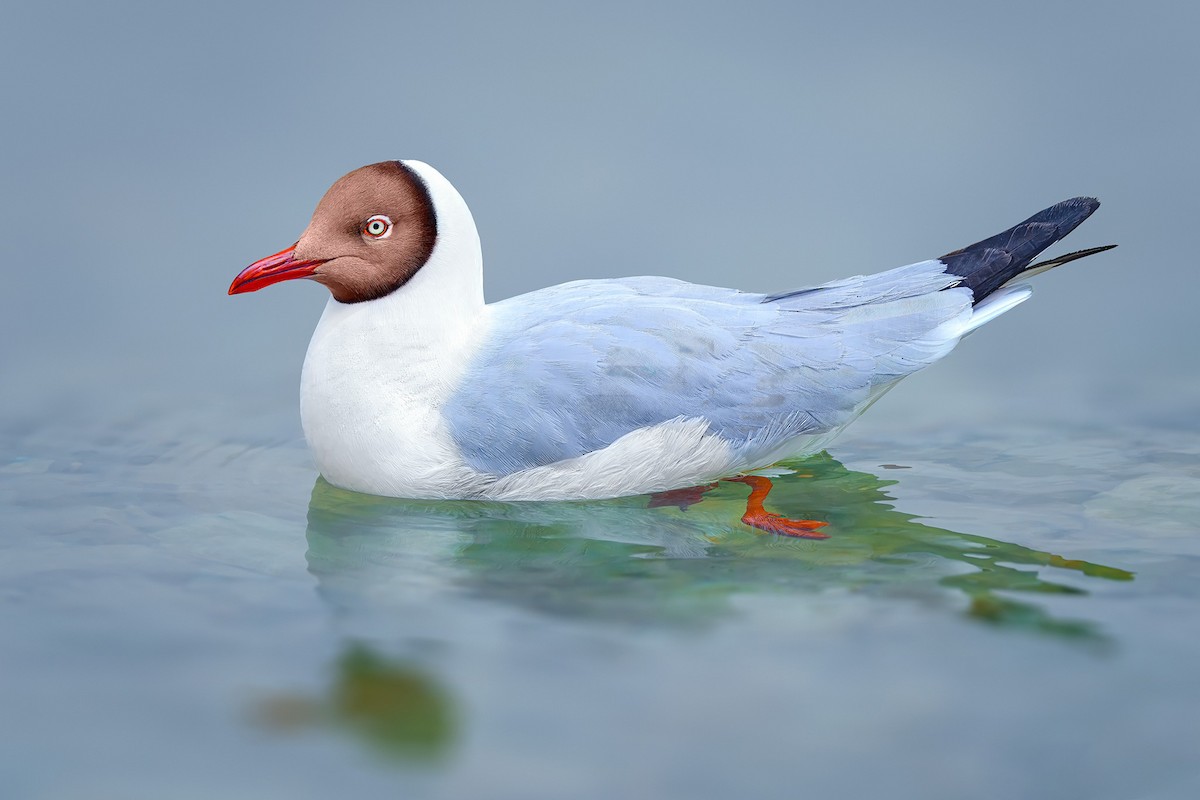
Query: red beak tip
272, 269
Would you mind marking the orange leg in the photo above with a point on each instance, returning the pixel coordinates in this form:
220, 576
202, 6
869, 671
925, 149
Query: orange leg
758, 517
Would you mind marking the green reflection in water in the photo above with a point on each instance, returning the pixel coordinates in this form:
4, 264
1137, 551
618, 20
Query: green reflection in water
389, 703
619, 560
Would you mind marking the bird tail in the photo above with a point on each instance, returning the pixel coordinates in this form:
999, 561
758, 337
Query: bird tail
990, 264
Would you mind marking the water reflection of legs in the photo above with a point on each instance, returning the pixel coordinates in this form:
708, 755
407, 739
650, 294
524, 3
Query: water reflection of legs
680, 498
756, 515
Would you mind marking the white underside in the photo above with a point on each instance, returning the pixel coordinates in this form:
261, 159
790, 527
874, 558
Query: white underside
672, 455
668, 456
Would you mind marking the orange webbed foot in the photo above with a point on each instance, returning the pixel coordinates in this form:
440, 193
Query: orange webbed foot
758, 517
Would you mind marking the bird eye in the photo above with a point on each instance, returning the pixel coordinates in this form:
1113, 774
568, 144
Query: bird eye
377, 227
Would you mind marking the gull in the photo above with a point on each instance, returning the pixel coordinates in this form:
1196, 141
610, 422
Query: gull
414, 387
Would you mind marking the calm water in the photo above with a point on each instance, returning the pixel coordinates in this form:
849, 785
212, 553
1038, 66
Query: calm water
1014, 613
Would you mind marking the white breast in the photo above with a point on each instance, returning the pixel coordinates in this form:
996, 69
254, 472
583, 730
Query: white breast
370, 403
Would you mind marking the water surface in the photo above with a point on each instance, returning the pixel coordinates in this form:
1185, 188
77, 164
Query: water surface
995, 614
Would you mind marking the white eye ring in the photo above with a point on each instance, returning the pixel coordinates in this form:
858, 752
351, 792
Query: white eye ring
377, 227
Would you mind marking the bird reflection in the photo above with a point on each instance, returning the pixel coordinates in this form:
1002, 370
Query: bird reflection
637, 561
390, 703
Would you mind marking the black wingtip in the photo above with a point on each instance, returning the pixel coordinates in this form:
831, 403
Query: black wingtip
1068, 214
987, 265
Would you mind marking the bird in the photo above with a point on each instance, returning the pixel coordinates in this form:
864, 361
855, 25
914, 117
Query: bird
414, 387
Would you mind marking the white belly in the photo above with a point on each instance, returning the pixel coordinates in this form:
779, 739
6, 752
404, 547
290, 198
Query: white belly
672, 455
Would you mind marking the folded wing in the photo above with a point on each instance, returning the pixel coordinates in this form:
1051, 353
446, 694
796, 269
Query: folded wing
571, 369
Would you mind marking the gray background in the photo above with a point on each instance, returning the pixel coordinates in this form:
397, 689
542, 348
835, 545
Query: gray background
153, 150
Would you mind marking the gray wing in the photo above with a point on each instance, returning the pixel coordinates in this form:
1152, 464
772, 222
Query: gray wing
570, 369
